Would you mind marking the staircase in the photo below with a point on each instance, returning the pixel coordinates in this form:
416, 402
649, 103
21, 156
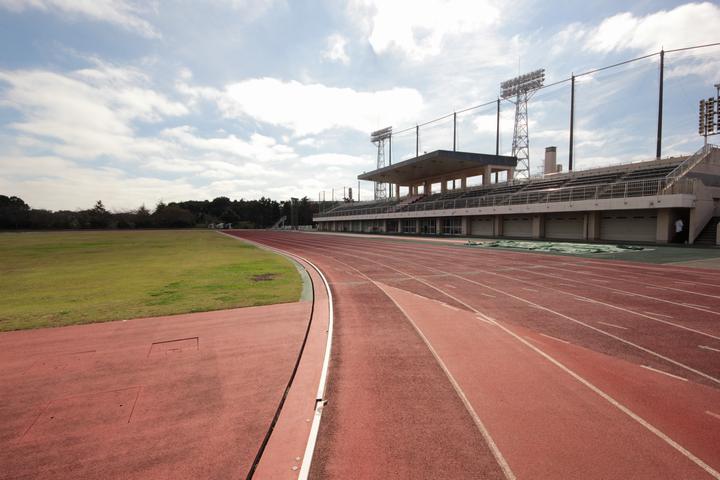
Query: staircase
280, 223
687, 165
707, 236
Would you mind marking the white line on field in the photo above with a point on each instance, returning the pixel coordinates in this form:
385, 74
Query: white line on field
613, 325
648, 367
712, 414
709, 348
659, 314
554, 338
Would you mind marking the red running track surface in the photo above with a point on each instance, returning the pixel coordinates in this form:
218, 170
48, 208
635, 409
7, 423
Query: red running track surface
452, 362
187, 396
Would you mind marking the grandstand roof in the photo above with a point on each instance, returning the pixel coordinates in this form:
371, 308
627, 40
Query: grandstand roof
437, 164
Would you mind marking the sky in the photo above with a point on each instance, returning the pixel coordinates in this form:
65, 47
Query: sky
135, 103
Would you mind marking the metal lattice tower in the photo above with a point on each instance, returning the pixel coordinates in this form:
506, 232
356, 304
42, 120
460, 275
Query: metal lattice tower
379, 137
521, 89
521, 137
380, 187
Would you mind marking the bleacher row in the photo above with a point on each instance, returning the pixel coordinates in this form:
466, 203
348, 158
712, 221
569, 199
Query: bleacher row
629, 180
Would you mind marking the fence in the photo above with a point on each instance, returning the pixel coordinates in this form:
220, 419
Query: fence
638, 188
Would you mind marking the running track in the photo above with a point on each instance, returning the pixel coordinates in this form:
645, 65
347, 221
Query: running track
452, 362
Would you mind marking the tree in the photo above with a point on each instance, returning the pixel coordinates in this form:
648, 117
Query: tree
98, 216
14, 212
172, 216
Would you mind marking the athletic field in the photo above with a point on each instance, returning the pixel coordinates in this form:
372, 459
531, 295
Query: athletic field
50, 279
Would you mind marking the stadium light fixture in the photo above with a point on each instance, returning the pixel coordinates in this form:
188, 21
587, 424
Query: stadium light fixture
382, 134
523, 83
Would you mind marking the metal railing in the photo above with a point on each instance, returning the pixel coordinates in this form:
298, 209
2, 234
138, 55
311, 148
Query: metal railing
688, 164
637, 188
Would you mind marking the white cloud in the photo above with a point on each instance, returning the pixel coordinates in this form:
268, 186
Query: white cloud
118, 12
259, 147
335, 52
686, 25
418, 29
56, 183
335, 159
313, 108
87, 113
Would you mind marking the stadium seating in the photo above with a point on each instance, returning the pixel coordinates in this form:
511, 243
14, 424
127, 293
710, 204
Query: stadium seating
635, 179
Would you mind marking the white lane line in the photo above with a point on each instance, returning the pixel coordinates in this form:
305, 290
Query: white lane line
580, 322
659, 314
695, 305
483, 320
655, 288
612, 325
712, 414
685, 452
648, 367
509, 475
322, 384
487, 295
529, 289
450, 307
450, 286
622, 292
554, 338
705, 347
697, 461
598, 280
566, 285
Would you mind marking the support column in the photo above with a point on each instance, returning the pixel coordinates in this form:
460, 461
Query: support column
510, 174
538, 226
443, 185
497, 226
463, 182
464, 230
397, 190
593, 226
663, 231
487, 175
417, 225
428, 188
438, 226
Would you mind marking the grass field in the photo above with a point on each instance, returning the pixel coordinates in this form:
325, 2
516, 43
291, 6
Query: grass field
53, 279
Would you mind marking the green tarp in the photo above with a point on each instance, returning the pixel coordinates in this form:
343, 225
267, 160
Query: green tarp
567, 248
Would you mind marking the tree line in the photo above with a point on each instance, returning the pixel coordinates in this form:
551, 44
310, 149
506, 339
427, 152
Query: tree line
15, 214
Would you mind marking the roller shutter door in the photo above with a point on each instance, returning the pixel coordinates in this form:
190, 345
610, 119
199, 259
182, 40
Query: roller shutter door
564, 226
628, 226
517, 226
482, 226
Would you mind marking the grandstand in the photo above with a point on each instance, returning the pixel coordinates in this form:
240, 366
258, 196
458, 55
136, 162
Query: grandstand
636, 202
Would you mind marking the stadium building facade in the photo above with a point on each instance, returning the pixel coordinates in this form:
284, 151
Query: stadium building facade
636, 202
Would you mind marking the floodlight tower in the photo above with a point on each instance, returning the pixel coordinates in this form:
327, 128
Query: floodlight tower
521, 89
379, 137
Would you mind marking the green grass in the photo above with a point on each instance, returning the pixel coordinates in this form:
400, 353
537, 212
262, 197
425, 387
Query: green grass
65, 278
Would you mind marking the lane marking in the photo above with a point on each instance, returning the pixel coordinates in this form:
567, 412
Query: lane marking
529, 289
450, 307
509, 475
487, 295
659, 314
450, 286
648, 367
695, 305
709, 348
483, 320
554, 338
322, 384
712, 414
612, 325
